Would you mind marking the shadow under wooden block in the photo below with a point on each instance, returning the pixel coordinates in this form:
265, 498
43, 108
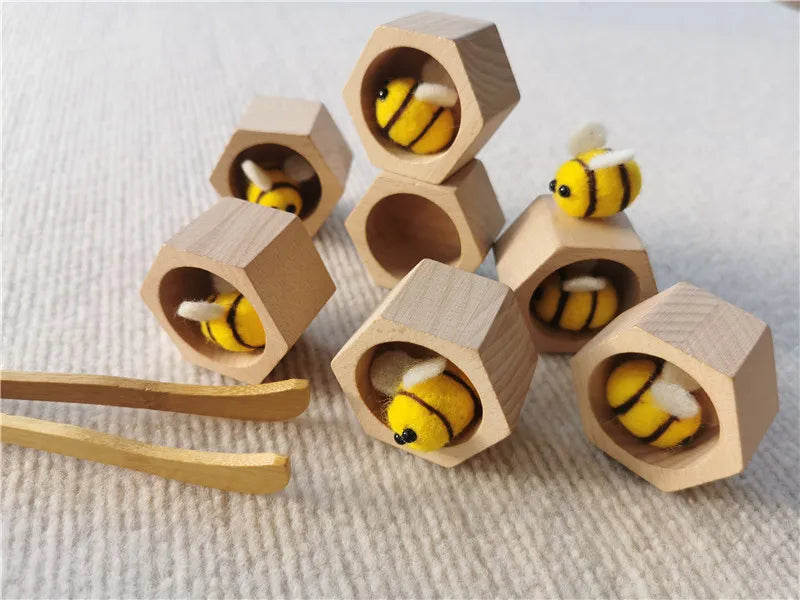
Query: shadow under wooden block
264, 253
465, 54
472, 321
271, 130
726, 350
544, 239
401, 221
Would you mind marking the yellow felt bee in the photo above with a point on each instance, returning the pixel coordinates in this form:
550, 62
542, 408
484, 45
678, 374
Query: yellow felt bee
430, 404
576, 304
653, 400
278, 187
226, 319
598, 182
416, 115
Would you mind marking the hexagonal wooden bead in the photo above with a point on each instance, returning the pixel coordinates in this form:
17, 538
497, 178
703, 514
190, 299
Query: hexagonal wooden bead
270, 130
464, 54
726, 350
264, 253
544, 239
400, 221
472, 321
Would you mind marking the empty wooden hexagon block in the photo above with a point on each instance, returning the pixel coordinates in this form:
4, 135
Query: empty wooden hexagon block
400, 221
271, 130
472, 321
544, 240
727, 351
267, 255
464, 54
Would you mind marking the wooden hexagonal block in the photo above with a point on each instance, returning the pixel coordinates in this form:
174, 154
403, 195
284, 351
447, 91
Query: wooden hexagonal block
544, 239
400, 221
726, 350
464, 54
472, 321
272, 129
264, 253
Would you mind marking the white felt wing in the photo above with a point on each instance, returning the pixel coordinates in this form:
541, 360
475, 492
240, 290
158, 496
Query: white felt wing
387, 369
200, 310
588, 137
610, 159
424, 370
257, 175
674, 399
436, 93
585, 283
672, 374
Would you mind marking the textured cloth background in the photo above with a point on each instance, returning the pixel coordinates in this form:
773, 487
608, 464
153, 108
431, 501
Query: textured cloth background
113, 118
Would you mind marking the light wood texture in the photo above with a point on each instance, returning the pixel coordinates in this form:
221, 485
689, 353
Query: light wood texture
471, 54
400, 221
726, 350
264, 253
273, 127
472, 321
544, 238
261, 473
276, 401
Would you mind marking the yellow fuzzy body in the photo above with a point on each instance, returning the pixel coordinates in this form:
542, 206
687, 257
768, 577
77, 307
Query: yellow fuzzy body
416, 408
645, 417
284, 194
598, 192
240, 330
574, 311
422, 127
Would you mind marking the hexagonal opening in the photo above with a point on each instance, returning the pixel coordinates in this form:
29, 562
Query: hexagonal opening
622, 278
190, 283
271, 156
377, 402
403, 62
673, 458
402, 229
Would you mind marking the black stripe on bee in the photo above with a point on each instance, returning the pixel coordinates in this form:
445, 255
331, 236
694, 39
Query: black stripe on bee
476, 413
660, 430
433, 410
592, 206
231, 319
626, 187
631, 402
562, 301
399, 112
427, 127
592, 310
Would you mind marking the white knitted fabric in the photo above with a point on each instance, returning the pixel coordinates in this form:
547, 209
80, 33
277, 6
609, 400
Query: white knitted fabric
113, 117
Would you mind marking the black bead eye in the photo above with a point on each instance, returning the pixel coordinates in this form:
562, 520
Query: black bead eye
564, 191
291, 209
409, 436
553, 185
398, 440
383, 93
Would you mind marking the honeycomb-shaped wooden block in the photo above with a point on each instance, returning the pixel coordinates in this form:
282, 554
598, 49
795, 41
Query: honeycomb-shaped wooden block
544, 239
264, 253
472, 321
726, 350
464, 54
272, 129
400, 221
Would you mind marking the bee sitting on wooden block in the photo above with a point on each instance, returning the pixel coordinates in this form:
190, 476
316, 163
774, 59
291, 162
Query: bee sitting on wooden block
227, 319
429, 403
278, 187
417, 115
654, 400
598, 182
575, 300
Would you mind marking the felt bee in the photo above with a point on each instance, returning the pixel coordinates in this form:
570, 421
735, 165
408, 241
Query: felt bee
576, 304
278, 187
598, 182
416, 115
429, 403
226, 319
653, 400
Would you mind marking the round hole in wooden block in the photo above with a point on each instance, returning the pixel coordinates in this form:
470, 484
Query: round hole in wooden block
392, 64
672, 458
189, 283
272, 156
621, 277
377, 402
402, 229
